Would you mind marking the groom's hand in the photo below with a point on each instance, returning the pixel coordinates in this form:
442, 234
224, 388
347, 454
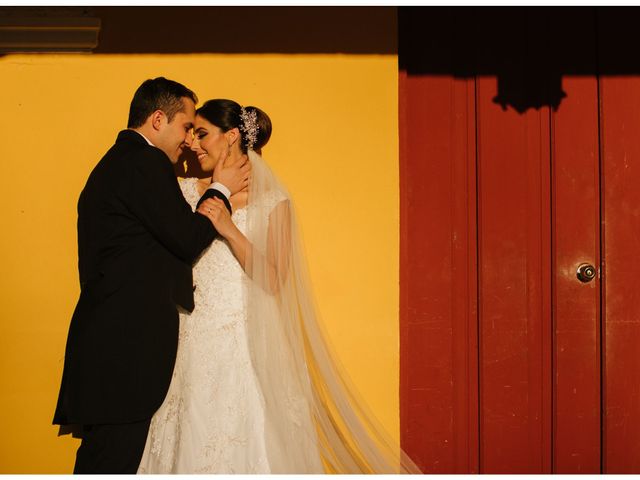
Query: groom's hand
235, 176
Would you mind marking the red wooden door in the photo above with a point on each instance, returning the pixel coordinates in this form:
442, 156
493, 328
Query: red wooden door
517, 167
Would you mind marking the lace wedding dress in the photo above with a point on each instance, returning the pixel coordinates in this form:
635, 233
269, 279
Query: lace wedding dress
212, 420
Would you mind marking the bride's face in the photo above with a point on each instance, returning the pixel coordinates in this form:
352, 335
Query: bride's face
209, 143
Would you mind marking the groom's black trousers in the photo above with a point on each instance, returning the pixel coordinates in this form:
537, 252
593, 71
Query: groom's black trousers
112, 448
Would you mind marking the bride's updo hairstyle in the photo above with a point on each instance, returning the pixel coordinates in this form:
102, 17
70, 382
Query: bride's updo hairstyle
227, 114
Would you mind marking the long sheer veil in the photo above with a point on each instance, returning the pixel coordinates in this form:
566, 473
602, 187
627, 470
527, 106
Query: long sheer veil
314, 420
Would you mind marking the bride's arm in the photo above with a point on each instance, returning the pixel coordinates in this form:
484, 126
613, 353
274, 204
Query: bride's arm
278, 253
270, 269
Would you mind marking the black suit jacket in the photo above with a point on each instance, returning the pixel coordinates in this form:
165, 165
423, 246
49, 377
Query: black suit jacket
137, 241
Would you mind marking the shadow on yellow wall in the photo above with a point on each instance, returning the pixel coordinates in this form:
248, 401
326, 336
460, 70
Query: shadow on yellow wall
334, 145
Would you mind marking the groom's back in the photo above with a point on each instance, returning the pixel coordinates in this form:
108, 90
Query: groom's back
105, 225
123, 335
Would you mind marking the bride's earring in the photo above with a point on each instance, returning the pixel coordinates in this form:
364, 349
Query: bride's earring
229, 151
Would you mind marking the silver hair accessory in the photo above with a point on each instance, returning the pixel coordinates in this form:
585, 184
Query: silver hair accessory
249, 127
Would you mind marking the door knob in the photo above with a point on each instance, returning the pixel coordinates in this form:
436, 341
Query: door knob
586, 272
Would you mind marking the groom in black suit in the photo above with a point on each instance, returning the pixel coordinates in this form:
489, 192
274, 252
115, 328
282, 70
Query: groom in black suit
137, 241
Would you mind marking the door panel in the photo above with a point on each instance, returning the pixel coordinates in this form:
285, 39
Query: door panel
439, 411
576, 239
620, 113
514, 287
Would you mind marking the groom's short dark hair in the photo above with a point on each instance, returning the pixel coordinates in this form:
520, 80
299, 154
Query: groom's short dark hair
157, 94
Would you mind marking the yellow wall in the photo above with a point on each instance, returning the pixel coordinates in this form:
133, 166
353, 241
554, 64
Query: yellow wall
334, 144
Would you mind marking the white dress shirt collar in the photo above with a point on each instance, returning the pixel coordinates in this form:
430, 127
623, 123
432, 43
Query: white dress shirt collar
148, 141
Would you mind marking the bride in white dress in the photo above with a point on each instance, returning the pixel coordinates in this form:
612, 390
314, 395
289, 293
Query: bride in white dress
255, 389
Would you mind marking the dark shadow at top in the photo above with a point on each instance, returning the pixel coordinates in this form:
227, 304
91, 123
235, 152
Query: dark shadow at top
529, 49
179, 30
351, 30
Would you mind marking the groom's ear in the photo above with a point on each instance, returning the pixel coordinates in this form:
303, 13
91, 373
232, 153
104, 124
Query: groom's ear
156, 119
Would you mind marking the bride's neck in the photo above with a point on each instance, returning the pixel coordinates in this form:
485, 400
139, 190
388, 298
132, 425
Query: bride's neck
236, 156
202, 184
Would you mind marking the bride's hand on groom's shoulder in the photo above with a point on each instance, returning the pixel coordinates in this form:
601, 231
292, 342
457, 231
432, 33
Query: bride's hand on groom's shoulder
234, 176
